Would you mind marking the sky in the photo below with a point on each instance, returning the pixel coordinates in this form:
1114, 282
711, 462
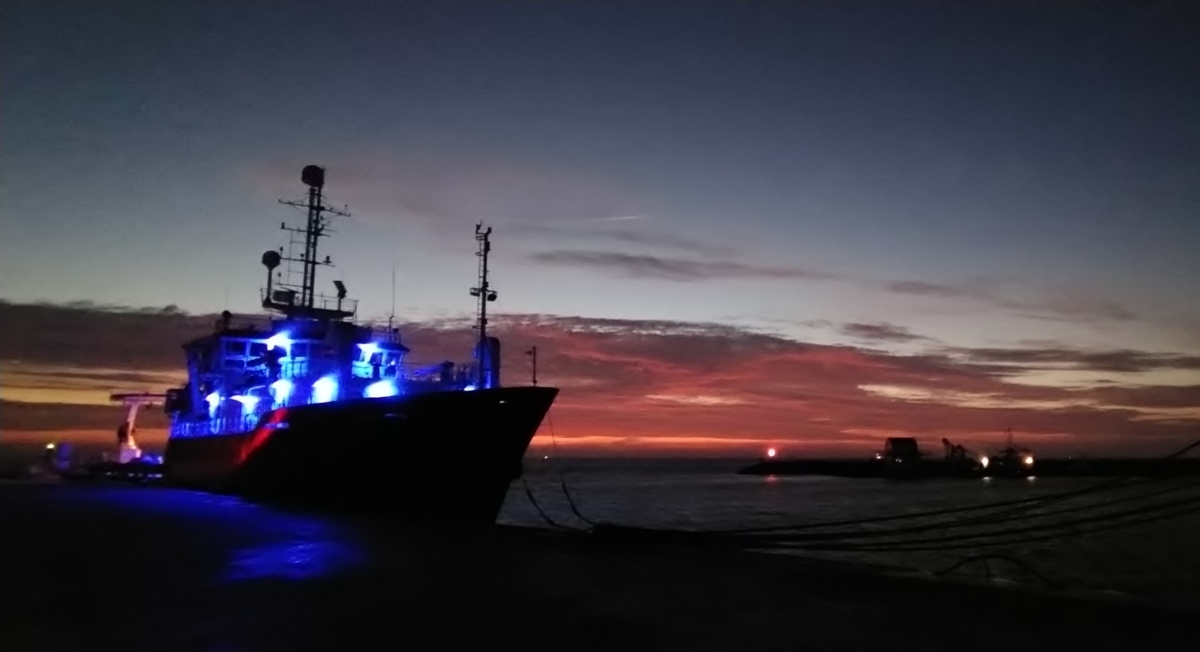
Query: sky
804, 224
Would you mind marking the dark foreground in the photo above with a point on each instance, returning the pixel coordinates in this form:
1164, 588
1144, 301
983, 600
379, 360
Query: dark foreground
128, 568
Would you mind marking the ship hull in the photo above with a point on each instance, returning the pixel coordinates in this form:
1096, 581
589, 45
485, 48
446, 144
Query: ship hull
441, 455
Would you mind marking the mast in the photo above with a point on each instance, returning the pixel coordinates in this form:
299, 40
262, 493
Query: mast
316, 226
485, 294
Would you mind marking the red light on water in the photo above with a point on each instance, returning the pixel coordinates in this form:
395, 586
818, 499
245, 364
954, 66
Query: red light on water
770, 452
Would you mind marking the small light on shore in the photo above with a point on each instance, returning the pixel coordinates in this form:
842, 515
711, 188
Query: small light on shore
770, 452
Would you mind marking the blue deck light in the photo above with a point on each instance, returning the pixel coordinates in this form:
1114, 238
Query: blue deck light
281, 390
381, 389
214, 400
369, 349
325, 389
279, 339
248, 403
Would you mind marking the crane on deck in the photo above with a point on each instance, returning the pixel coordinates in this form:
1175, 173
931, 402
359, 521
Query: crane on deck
127, 448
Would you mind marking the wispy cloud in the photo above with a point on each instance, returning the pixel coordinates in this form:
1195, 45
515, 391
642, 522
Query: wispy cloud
921, 288
1027, 302
1119, 361
674, 269
880, 332
618, 218
665, 240
651, 239
1055, 306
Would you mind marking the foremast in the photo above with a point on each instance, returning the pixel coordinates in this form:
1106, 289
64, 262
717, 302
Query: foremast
487, 349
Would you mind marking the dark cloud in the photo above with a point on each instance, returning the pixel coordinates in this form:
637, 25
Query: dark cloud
674, 269
882, 332
16, 416
1153, 396
678, 381
86, 335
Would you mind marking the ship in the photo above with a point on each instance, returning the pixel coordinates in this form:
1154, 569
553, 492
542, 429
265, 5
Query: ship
304, 406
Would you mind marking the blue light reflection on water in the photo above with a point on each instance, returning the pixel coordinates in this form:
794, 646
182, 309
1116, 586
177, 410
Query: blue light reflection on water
298, 559
256, 541
297, 547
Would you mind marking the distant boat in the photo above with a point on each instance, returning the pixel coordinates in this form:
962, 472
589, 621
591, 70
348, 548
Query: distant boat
309, 407
901, 457
1013, 460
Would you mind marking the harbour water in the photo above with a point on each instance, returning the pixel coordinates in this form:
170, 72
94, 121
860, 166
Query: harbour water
1158, 560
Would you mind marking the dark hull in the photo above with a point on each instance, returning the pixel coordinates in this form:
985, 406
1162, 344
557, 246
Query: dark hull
441, 455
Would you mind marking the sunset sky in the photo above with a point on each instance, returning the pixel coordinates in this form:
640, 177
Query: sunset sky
724, 225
